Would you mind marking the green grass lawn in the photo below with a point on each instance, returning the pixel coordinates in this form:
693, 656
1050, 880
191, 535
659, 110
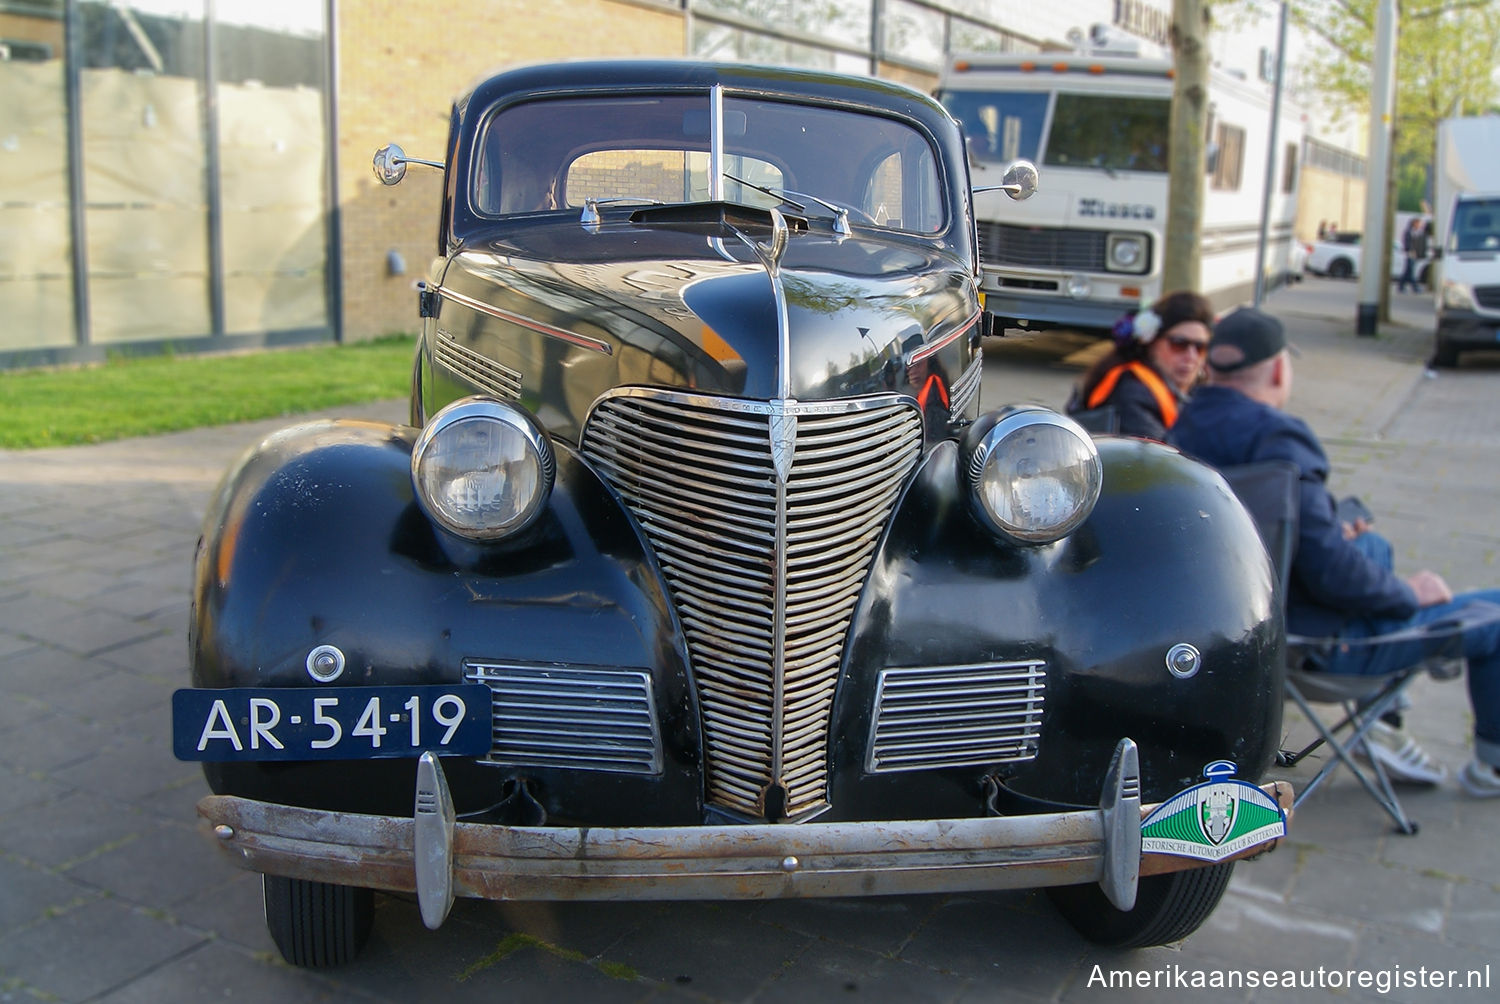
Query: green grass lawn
145, 396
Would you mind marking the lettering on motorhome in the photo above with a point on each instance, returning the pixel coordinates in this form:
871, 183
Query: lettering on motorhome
1116, 210
1143, 20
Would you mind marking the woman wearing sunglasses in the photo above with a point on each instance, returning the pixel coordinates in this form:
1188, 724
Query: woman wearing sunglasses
1156, 362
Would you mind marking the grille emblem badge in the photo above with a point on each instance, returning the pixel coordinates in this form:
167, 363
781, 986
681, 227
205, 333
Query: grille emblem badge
783, 439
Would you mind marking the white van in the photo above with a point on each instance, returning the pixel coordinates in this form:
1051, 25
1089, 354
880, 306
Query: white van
1467, 212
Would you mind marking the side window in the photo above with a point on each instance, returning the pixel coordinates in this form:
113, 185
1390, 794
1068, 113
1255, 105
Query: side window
882, 201
902, 192
1289, 169
1231, 143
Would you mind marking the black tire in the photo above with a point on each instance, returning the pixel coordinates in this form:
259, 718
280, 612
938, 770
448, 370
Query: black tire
1444, 353
1340, 268
317, 924
1167, 907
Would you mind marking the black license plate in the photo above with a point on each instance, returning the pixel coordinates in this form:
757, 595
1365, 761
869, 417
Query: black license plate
330, 723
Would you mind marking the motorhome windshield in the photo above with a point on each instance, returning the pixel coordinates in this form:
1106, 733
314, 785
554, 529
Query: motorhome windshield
1087, 130
1001, 126
1115, 133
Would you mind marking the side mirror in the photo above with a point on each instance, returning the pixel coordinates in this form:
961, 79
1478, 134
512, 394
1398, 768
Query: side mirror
1020, 182
391, 161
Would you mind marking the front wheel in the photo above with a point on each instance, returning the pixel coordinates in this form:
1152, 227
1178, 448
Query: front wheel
1341, 268
317, 924
1444, 353
1167, 907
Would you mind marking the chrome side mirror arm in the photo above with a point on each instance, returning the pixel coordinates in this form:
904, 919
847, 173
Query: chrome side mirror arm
1020, 181
391, 161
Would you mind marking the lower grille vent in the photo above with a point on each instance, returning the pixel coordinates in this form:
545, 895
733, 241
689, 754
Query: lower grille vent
952, 716
585, 718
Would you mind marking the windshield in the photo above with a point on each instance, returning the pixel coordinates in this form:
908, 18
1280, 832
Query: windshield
1000, 126
559, 154
1118, 133
1476, 225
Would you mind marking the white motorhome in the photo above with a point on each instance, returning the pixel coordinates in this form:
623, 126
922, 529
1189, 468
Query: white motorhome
1466, 210
1089, 245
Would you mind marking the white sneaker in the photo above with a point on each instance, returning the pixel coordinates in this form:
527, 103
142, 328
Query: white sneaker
1401, 757
1479, 779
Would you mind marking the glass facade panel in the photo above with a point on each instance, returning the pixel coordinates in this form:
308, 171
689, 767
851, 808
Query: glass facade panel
273, 152
730, 44
36, 265
144, 171
844, 22
914, 33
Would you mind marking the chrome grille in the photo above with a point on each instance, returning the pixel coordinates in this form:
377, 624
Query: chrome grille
1042, 247
583, 717
950, 716
966, 387
480, 371
764, 574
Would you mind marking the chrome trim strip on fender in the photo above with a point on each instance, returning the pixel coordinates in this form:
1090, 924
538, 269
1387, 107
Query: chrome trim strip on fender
571, 337
927, 350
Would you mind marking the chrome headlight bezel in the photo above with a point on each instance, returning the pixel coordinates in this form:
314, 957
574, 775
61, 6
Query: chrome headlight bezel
1117, 246
524, 443
1000, 444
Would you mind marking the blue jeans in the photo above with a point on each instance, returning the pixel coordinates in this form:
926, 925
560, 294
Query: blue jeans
1481, 645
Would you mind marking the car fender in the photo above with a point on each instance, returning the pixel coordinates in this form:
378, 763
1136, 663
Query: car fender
315, 538
1167, 557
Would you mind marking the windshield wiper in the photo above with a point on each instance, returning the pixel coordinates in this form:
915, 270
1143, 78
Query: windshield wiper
789, 198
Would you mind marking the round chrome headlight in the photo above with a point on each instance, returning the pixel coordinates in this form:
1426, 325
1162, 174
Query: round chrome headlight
482, 469
1078, 286
1034, 475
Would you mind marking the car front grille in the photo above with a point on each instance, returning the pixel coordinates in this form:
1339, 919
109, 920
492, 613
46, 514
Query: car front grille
951, 716
1042, 247
765, 547
1488, 297
588, 718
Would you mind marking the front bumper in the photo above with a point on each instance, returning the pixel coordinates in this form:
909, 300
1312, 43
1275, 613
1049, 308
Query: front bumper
1468, 328
1042, 312
438, 858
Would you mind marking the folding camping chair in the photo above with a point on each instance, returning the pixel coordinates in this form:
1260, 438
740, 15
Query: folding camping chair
1269, 492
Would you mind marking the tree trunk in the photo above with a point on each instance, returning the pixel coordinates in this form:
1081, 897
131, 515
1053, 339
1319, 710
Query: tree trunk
1185, 179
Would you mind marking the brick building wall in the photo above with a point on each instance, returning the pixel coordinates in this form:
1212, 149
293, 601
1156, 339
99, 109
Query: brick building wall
400, 66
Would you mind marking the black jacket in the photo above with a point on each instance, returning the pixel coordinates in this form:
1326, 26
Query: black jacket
1135, 406
1331, 581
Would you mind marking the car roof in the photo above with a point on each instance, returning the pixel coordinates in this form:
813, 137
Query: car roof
592, 75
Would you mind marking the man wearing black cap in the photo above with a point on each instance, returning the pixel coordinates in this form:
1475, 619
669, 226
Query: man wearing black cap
1341, 583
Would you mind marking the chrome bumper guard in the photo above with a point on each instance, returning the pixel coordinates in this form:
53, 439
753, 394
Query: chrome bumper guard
438, 858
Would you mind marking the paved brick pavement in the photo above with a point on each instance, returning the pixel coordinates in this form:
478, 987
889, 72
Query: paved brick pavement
108, 892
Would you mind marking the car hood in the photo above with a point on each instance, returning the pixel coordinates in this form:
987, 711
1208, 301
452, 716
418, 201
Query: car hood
709, 305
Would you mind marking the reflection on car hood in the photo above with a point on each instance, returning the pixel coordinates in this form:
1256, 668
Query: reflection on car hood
678, 306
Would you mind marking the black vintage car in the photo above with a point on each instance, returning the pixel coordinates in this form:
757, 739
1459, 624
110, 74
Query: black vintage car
702, 571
